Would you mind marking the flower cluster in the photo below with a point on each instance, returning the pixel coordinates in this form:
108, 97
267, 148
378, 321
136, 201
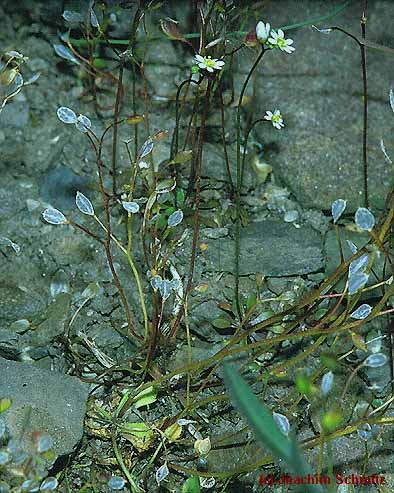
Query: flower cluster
274, 39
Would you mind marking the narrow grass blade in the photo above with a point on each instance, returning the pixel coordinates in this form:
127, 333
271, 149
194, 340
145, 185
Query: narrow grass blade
285, 451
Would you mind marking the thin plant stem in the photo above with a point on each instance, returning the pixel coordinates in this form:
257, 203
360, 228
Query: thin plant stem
134, 488
119, 92
136, 277
223, 122
107, 245
187, 82
197, 204
365, 104
362, 43
238, 183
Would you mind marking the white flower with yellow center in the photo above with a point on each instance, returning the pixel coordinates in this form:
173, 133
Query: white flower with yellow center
275, 118
262, 31
208, 63
278, 40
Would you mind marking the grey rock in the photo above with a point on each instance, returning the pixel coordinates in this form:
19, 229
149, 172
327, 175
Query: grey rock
214, 166
59, 187
272, 248
163, 79
162, 53
45, 144
16, 302
15, 114
56, 316
319, 91
9, 344
57, 402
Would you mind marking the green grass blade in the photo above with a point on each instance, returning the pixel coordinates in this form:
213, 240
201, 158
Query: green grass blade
286, 452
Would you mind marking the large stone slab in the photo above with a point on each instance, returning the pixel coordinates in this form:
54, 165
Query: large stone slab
272, 248
57, 401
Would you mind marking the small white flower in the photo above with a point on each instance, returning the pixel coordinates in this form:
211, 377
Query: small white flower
208, 63
262, 31
275, 118
278, 40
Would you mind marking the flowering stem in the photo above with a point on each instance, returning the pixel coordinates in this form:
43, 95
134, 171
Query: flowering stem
197, 204
224, 142
260, 120
127, 253
107, 243
238, 183
119, 95
365, 102
362, 45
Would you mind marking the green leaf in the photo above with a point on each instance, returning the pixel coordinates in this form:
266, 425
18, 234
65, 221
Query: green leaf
221, 323
139, 434
100, 63
304, 384
284, 450
320, 313
147, 396
5, 404
251, 301
191, 485
170, 210
180, 196
165, 186
183, 157
151, 201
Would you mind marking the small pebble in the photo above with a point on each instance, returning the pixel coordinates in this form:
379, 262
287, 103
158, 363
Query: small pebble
291, 216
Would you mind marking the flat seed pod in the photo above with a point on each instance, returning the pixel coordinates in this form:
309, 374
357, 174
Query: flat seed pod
357, 281
53, 216
66, 115
352, 246
337, 209
83, 123
175, 218
72, 16
362, 312
165, 289
93, 19
364, 219
116, 483
49, 484
131, 207
375, 360
359, 265
162, 473
326, 383
65, 53
146, 148
45, 443
282, 422
84, 204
